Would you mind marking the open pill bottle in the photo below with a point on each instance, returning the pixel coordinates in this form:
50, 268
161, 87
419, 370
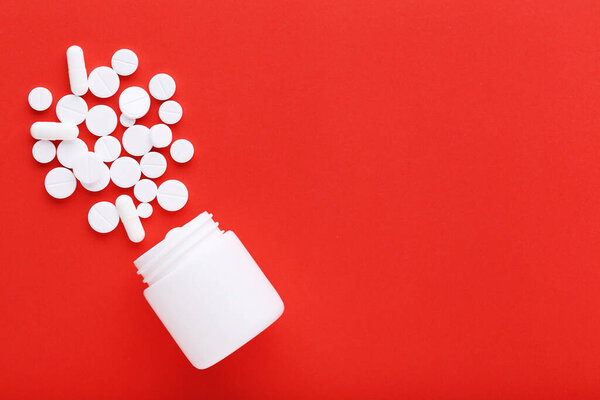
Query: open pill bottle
207, 290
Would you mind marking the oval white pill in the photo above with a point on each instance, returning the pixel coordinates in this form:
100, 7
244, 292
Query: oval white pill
162, 86
40, 98
69, 150
172, 195
71, 109
126, 121
103, 82
100, 183
60, 183
103, 217
88, 168
101, 120
153, 164
125, 172
78, 78
130, 218
134, 102
160, 135
53, 131
170, 112
108, 148
124, 62
144, 210
136, 140
145, 190
182, 150
43, 151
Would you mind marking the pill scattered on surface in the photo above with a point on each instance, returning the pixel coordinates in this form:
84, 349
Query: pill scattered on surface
162, 86
108, 148
136, 140
103, 217
71, 109
43, 151
101, 120
170, 112
53, 131
103, 82
88, 168
40, 98
160, 136
125, 172
69, 150
60, 183
134, 102
126, 121
124, 62
145, 190
144, 210
172, 195
153, 164
100, 183
78, 78
182, 150
130, 218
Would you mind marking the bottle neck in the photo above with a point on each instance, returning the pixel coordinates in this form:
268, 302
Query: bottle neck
161, 259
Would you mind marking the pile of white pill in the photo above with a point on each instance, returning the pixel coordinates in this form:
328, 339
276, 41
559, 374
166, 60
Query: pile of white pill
94, 170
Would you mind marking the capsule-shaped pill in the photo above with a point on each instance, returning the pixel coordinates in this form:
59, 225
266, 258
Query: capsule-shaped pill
54, 131
129, 217
77, 74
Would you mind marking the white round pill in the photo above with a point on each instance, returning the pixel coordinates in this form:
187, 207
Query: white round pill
103, 82
160, 135
182, 150
71, 109
103, 217
145, 190
108, 148
88, 168
101, 120
170, 112
126, 121
100, 183
162, 86
134, 102
43, 151
60, 183
69, 150
172, 195
144, 210
124, 62
125, 172
40, 98
136, 140
153, 164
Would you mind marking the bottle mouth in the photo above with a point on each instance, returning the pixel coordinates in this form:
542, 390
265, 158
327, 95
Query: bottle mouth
160, 259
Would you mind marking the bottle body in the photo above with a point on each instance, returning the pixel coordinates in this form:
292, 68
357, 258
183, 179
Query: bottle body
208, 291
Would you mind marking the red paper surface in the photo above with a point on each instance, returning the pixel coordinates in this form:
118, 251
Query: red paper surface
419, 180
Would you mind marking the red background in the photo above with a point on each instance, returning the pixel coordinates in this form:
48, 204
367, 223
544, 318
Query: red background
419, 180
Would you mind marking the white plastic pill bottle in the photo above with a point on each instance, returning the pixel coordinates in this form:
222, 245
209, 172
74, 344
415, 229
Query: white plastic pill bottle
207, 290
